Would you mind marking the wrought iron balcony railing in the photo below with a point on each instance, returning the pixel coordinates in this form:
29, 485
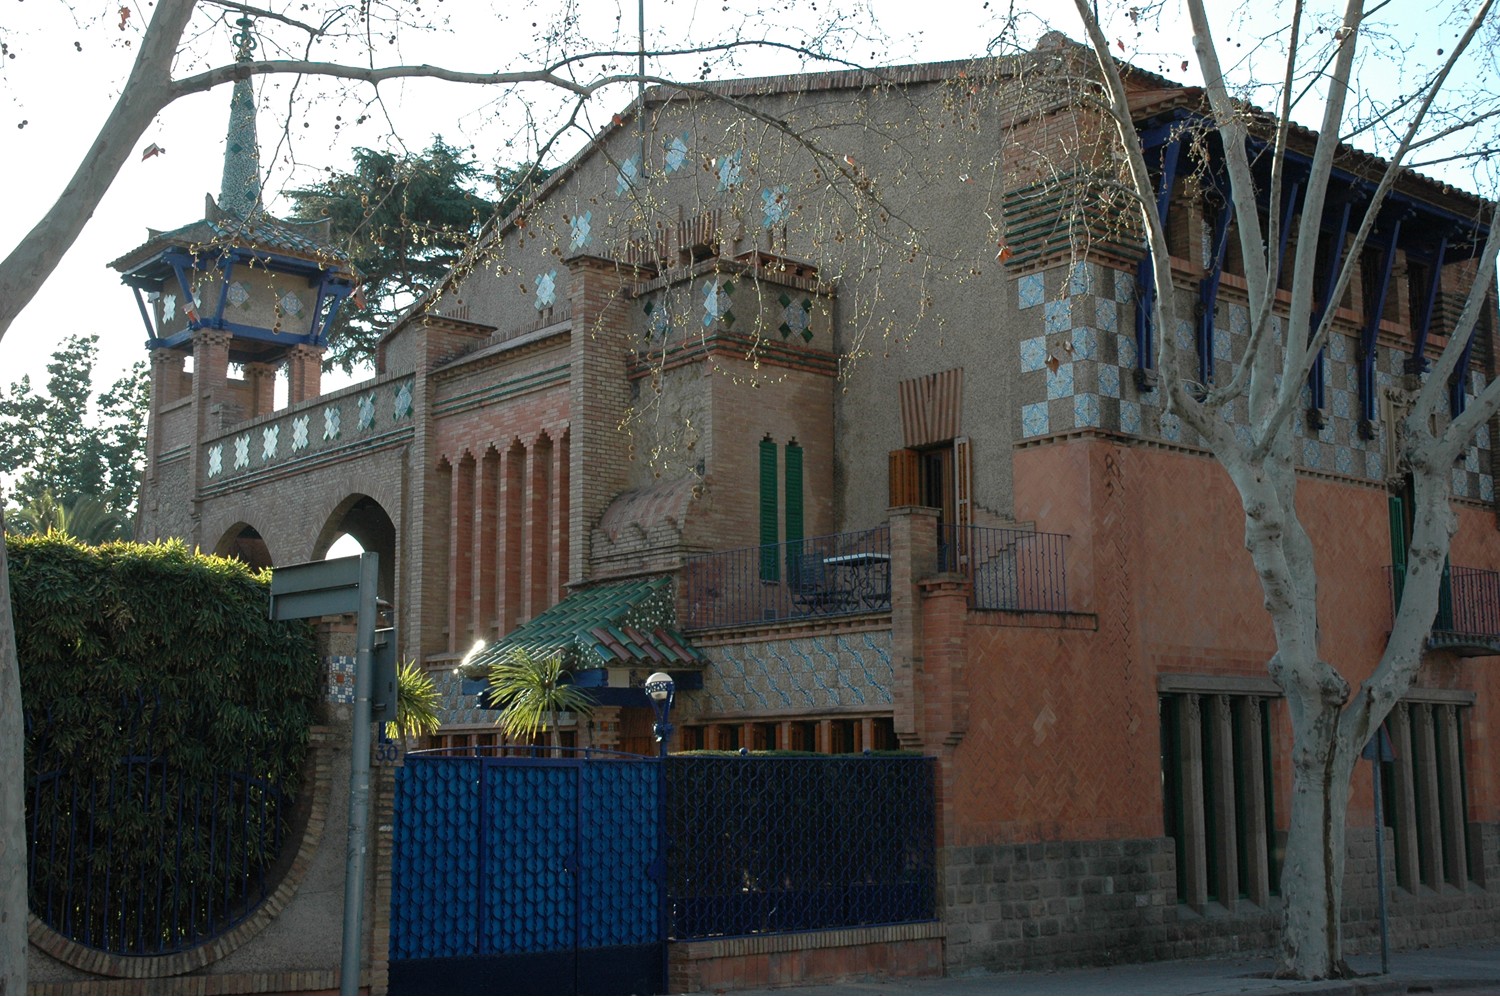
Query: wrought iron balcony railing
836, 575
1010, 569
1468, 616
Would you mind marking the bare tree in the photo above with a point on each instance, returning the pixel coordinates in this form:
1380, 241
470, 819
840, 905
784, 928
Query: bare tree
1331, 721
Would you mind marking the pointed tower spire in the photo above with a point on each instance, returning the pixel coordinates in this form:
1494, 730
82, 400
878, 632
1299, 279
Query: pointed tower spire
239, 190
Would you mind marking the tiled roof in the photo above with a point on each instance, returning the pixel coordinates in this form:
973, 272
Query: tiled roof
610, 624
259, 231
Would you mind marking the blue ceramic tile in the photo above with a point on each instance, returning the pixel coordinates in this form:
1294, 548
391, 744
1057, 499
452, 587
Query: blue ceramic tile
1060, 381
1130, 417
1059, 316
1109, 380
1031, 290
1034, 419
1033, 353
1085, 411
1106, 315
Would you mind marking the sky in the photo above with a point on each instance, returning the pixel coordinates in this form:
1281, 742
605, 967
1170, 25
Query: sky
63, 63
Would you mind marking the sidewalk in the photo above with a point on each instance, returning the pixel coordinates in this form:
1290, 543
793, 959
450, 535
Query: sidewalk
1473, 969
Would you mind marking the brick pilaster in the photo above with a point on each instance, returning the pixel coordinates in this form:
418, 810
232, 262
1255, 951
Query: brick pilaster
599, 451
913, 558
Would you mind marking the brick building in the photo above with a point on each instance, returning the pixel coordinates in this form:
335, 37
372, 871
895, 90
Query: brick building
749, 396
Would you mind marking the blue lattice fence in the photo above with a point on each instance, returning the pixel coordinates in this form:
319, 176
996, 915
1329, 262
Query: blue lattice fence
535, 874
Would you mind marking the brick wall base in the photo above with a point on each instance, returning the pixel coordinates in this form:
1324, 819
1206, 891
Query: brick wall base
1086, 903
806, 958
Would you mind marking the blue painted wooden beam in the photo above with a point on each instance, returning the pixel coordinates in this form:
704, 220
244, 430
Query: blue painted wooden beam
1208, 293
1368, 340
1421, 326
1145, 354
1318, 375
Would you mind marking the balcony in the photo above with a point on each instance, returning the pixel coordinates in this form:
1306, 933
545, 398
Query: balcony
846, 574
1468, 616
1015, 570
842, 574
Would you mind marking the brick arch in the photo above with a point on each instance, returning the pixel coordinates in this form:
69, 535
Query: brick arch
245, 543
365, 519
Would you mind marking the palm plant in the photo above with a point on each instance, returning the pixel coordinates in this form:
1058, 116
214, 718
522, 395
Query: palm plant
417, 703
530, 692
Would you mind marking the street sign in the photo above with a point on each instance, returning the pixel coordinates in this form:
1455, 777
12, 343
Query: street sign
317, 588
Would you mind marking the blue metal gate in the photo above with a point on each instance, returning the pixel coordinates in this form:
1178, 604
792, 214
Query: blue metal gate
527, 875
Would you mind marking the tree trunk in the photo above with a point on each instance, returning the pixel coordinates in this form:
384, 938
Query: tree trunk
13, 905
1312, 878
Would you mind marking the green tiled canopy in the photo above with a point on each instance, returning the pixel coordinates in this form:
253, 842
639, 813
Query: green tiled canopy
614, 624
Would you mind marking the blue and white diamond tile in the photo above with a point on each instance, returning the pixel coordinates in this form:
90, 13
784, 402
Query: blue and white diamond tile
731, 170
1239, 320
1085, 344
1374, 464
1107, 314
1471, 460
1171, 427
1059, 316
1460, 482
580, 228
1384, 380
1109, 380
1343, 460
1221, 344
1338, 348
1060, 381
1085, 411
1124, 286
774, 203
1326, 433
626, 175
1125, 351
546, 290
215, 460
1482, 437
1034, 419
677, 152
299, 432
1487, 488
1130, 417
1311, 453
1033, 353
1341, 405
269, 437
1081, 278
1185, 335
1031, 290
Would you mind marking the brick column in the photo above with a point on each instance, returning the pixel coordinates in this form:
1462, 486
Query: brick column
913, 558
304, 373
944, 692
210, 377
260, 383
600, 395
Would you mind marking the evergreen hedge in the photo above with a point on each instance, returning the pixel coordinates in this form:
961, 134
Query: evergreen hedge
166, 727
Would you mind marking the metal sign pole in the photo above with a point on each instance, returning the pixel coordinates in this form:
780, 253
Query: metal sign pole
326, 588
359, 777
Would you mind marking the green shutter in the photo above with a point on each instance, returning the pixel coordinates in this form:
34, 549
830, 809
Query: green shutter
793, 510
769, 531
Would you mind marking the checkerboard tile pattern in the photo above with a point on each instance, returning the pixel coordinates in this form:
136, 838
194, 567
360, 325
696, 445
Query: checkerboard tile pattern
1079, 373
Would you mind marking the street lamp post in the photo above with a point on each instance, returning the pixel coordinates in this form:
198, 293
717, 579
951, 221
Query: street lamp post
661, 690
